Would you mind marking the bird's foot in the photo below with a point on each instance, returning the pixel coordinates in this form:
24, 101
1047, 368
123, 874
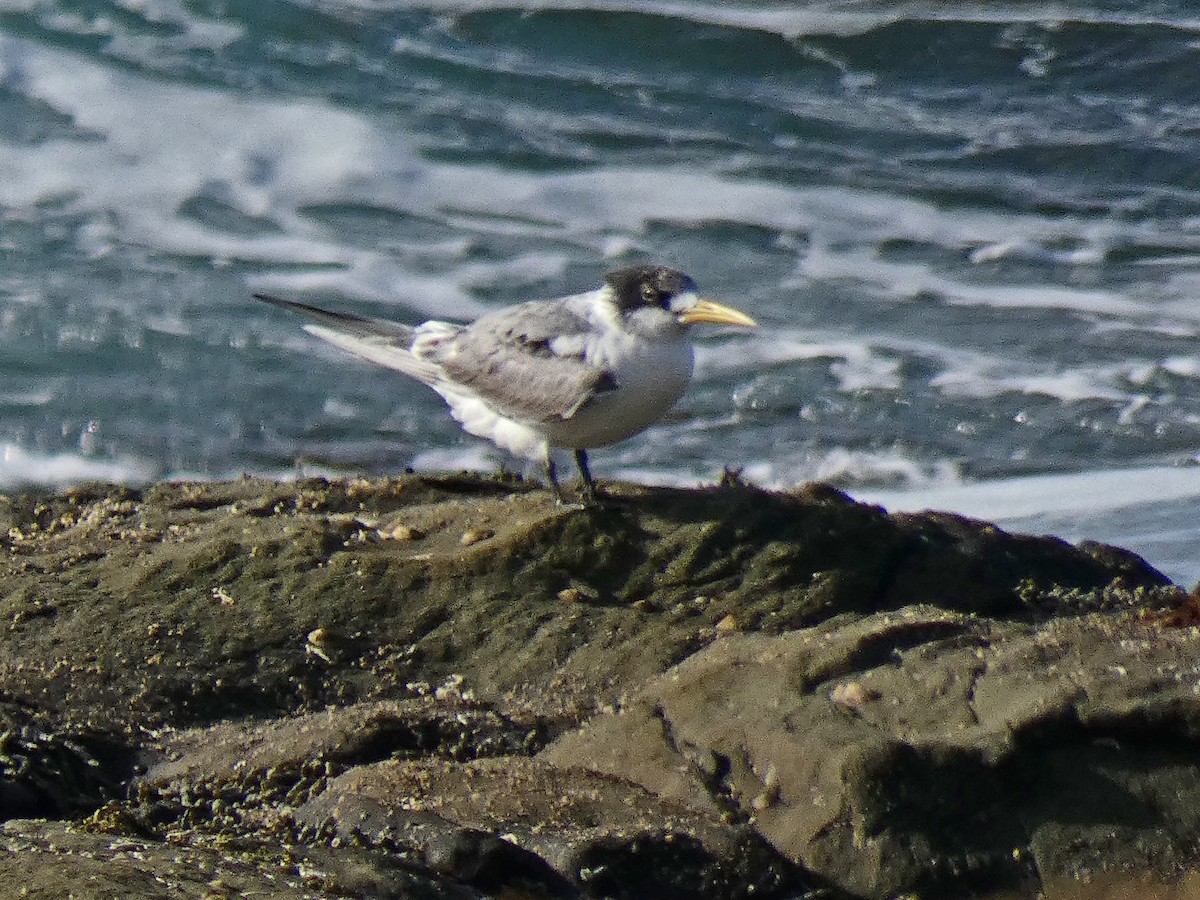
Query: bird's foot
583, 501
590, 496
587, 498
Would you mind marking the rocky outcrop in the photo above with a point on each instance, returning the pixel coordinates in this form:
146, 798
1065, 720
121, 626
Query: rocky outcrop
930, 750
451, 687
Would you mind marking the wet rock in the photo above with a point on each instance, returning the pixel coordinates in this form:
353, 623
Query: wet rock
491, 863
972, 754
249, 776
447, 728
565, 832
52, 860
323, 700
52, 772
188, 603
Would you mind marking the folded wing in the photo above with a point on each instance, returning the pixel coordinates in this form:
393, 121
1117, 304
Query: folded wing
529, 362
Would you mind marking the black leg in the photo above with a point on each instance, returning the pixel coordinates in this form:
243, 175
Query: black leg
552, 478
589, 485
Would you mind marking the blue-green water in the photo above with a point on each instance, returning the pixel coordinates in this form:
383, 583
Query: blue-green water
971, 232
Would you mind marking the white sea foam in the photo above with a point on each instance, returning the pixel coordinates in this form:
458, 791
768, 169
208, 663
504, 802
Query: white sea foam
993, 378
266, 159
832, 17
855, 364
842, 467
1183, 366
271, 160
1082, 494
34, 397
907, 280
340, 409
301, 469
191, 31
1148, 510
477, 456
21, 468
384, 284
875, 361
866, 372
676, 465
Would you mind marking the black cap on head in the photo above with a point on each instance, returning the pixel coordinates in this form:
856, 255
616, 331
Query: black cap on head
638, 286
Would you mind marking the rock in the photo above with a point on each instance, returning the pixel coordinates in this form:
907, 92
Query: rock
51, 772
447, 728
51, 860
188, 603
491, 863
249, 688
250, 776
981, 753
396, 777
580, 832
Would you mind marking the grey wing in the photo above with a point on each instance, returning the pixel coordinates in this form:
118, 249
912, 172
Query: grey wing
378, 340
527, 361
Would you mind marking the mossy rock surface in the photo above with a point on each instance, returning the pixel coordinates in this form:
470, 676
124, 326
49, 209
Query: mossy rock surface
344, 688
187, 603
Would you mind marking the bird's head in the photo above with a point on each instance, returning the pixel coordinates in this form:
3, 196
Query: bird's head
657, 297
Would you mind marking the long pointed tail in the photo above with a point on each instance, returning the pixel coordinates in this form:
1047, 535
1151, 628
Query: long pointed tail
381, 341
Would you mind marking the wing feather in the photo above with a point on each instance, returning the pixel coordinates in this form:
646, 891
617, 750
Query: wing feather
529, 361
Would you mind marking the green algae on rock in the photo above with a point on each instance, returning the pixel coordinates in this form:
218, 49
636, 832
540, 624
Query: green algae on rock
268, 673
190, 602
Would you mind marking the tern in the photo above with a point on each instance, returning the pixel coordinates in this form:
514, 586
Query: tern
577, 372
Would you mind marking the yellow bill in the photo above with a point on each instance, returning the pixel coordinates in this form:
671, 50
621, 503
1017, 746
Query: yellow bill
710, 312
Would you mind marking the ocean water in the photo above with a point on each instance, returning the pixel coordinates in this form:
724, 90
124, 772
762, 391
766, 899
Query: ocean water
971, 233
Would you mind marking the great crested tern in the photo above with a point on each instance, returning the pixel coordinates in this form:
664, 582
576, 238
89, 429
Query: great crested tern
574, 373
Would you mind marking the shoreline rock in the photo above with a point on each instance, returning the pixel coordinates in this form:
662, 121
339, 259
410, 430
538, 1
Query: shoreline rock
1008, 753
325, 666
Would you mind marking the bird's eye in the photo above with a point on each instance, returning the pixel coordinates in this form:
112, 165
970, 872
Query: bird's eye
651, 295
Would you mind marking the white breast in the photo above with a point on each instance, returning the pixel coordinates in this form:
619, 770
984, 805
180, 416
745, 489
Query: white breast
650, 376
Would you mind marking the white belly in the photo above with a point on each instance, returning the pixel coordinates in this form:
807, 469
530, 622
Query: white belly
479, 418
